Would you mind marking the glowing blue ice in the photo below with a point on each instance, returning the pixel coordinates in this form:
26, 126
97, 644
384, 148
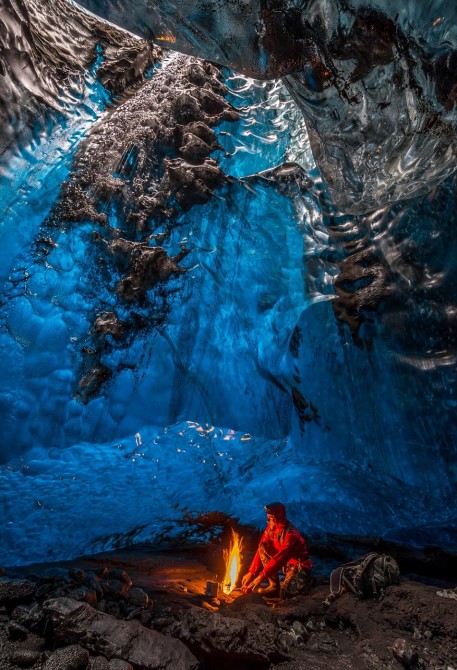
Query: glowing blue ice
251, 389
375, 80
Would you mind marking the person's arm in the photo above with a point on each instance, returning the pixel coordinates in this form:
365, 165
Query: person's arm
253, 570
281, 557
255, 566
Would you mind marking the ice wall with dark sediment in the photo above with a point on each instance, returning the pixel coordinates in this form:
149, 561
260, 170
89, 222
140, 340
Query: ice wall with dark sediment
375, 80
188, 320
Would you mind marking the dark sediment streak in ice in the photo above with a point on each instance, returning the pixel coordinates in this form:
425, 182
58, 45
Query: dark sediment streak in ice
376, 82
139, 169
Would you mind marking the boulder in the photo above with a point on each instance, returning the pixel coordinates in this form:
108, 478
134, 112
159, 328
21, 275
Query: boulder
73, 657
121, 575
211, 634
102, 572
16, 632
98, 663
30, 616
114, 589
78, 575
138, 597
85, 594
117, 664
404, 652
109, 607
300, 629
93, 583
15, 592
24, 658
127, 640
143, 615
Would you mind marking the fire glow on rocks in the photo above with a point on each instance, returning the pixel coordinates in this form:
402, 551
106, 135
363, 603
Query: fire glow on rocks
232, 558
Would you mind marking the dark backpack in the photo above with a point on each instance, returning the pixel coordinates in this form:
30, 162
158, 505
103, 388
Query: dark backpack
367, 577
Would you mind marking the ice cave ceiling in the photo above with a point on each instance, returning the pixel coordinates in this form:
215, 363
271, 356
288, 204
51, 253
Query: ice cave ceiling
226, 280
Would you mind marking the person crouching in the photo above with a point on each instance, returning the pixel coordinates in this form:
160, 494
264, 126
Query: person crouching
281, 547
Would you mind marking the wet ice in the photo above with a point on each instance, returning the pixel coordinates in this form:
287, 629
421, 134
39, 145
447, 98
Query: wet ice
332, 411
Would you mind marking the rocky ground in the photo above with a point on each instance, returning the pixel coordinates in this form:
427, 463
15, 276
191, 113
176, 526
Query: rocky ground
141, 609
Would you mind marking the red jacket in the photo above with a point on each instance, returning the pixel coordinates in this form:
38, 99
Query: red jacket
285, 545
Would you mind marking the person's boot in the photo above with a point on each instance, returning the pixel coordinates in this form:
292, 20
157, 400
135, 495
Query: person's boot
272, 589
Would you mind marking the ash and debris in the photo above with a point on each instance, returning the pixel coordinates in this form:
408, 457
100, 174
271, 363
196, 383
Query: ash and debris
142, 609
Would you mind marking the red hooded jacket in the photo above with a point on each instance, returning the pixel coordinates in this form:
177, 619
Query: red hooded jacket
285, 545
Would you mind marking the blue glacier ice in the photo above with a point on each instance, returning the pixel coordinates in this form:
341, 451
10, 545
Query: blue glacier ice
375, 80
307, 353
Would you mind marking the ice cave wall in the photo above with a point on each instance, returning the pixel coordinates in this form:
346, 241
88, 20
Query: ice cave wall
375, 81
286, 349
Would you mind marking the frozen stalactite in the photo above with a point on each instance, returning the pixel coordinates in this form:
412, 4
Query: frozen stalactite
375, 81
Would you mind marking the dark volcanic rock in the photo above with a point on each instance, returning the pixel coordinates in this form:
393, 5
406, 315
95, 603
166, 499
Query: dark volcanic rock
414, 626
73, 657
363, 283
412, 623
110, 607
129, 641
138, 597
121, 576
237, 639
405, 653
107, 323
30, 616
118, 664
192, 184
125, 157
91, 382
25, 658
13, 593
146, 266
84, 594
193, 148
16, 632
115, 589
77, 575
99, 663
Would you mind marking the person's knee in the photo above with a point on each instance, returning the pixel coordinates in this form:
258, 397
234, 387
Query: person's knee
265, 553
296, 582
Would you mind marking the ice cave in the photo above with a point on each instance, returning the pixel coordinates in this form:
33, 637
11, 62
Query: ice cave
229, 270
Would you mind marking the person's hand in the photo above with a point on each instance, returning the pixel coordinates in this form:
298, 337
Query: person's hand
255, 583
245, 582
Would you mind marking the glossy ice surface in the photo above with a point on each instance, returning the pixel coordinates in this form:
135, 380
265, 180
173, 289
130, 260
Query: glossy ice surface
375, 80
306, 355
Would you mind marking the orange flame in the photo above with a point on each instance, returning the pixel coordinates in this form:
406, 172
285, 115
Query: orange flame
232, 559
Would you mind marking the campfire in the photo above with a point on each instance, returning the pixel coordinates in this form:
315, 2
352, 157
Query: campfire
232, 558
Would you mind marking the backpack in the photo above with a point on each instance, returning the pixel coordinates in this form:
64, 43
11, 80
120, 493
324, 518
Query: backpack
367, 577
